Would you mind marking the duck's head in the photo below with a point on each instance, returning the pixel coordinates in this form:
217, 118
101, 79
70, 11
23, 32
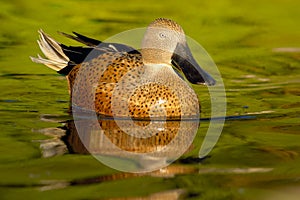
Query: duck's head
165, 43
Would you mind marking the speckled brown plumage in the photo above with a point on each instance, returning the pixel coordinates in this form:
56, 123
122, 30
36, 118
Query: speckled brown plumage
98, 80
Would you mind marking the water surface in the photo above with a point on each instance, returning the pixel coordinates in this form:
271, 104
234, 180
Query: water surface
255, 46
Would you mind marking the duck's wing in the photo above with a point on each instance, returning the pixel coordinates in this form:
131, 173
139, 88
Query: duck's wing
63, 58
78, 54
82, 39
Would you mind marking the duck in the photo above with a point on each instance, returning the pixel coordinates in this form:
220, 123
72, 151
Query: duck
117, 80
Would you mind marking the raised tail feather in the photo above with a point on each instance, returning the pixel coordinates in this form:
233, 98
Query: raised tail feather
62, 58
55, 59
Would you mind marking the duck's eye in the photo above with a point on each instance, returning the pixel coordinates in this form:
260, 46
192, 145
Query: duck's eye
162, 35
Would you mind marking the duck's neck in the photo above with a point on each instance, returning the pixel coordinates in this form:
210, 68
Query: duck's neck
160, 73
156, 56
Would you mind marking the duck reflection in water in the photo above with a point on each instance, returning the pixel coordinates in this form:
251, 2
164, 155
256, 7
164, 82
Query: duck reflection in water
149, 145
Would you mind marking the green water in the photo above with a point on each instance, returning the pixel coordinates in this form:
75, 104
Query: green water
256, 48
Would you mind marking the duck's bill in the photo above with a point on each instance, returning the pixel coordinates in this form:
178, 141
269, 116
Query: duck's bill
184, 62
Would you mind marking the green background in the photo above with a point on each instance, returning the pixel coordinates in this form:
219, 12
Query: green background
255, 45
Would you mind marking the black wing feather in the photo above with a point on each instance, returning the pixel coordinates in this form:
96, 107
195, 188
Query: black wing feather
78, 54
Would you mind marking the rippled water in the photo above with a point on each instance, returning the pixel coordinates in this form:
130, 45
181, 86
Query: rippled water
257, 155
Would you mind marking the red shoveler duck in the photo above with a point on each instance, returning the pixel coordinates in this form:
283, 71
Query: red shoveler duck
117, 80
